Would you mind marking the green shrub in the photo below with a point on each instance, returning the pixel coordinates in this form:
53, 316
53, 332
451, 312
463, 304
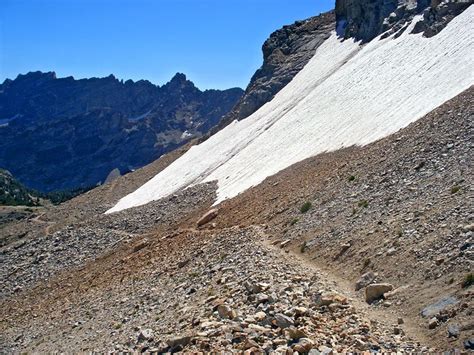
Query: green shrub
351, 178
293, 221
303, 247
455, 189
306, 207
468, 280
363, 203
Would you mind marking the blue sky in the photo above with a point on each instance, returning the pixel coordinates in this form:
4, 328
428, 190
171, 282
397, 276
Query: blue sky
216, 43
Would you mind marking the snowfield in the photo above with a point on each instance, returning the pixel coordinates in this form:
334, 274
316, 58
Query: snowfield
346, 95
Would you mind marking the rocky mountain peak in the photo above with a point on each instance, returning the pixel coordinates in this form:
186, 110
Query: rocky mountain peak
179, 78
178, 82
37, 75
97, 125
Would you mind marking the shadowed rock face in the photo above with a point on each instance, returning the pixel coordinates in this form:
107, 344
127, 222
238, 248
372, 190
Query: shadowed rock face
285, 53
66, 133
366, 19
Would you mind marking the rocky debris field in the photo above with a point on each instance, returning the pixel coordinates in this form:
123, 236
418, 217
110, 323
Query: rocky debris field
24, 263
224, 290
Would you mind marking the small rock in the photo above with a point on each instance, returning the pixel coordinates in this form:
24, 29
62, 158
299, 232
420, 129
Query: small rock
360, 345
469, 344
283, 321
436, 308
256, 287
303, 346
468, 228
365, 280
400, 320
453, 331
183, 263
179, 341
259, 316
328, 298
249, 343
261, 298
259, 328
325, 350
140, 245
296, 334
145, 335
226, 312
344, 248
433, 323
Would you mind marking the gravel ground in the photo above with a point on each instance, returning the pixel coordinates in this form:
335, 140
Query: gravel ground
226, 290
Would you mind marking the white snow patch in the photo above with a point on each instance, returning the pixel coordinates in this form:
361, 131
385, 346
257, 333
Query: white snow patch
346, 95
140, 117
186, 135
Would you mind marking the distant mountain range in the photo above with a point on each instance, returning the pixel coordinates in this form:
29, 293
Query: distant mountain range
63, 134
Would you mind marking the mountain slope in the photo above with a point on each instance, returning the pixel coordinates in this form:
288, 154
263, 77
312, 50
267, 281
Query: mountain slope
346, 95
12, 193
149, 268
63, 133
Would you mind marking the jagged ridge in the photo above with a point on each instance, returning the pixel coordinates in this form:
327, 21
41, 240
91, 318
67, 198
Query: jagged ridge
65, 133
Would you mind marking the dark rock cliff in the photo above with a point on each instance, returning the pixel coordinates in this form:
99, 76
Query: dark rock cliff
366, 19
58, 134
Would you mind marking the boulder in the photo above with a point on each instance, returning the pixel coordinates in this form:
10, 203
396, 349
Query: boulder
376, 291
437, 307
179, 341
207, 217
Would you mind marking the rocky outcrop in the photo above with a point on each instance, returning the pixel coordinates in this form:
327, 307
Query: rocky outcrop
439, 14
366, 19
58, 134
285, 53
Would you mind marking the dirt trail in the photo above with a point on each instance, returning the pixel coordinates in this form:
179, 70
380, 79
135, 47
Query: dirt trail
38, 220
346, 287
385, 315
